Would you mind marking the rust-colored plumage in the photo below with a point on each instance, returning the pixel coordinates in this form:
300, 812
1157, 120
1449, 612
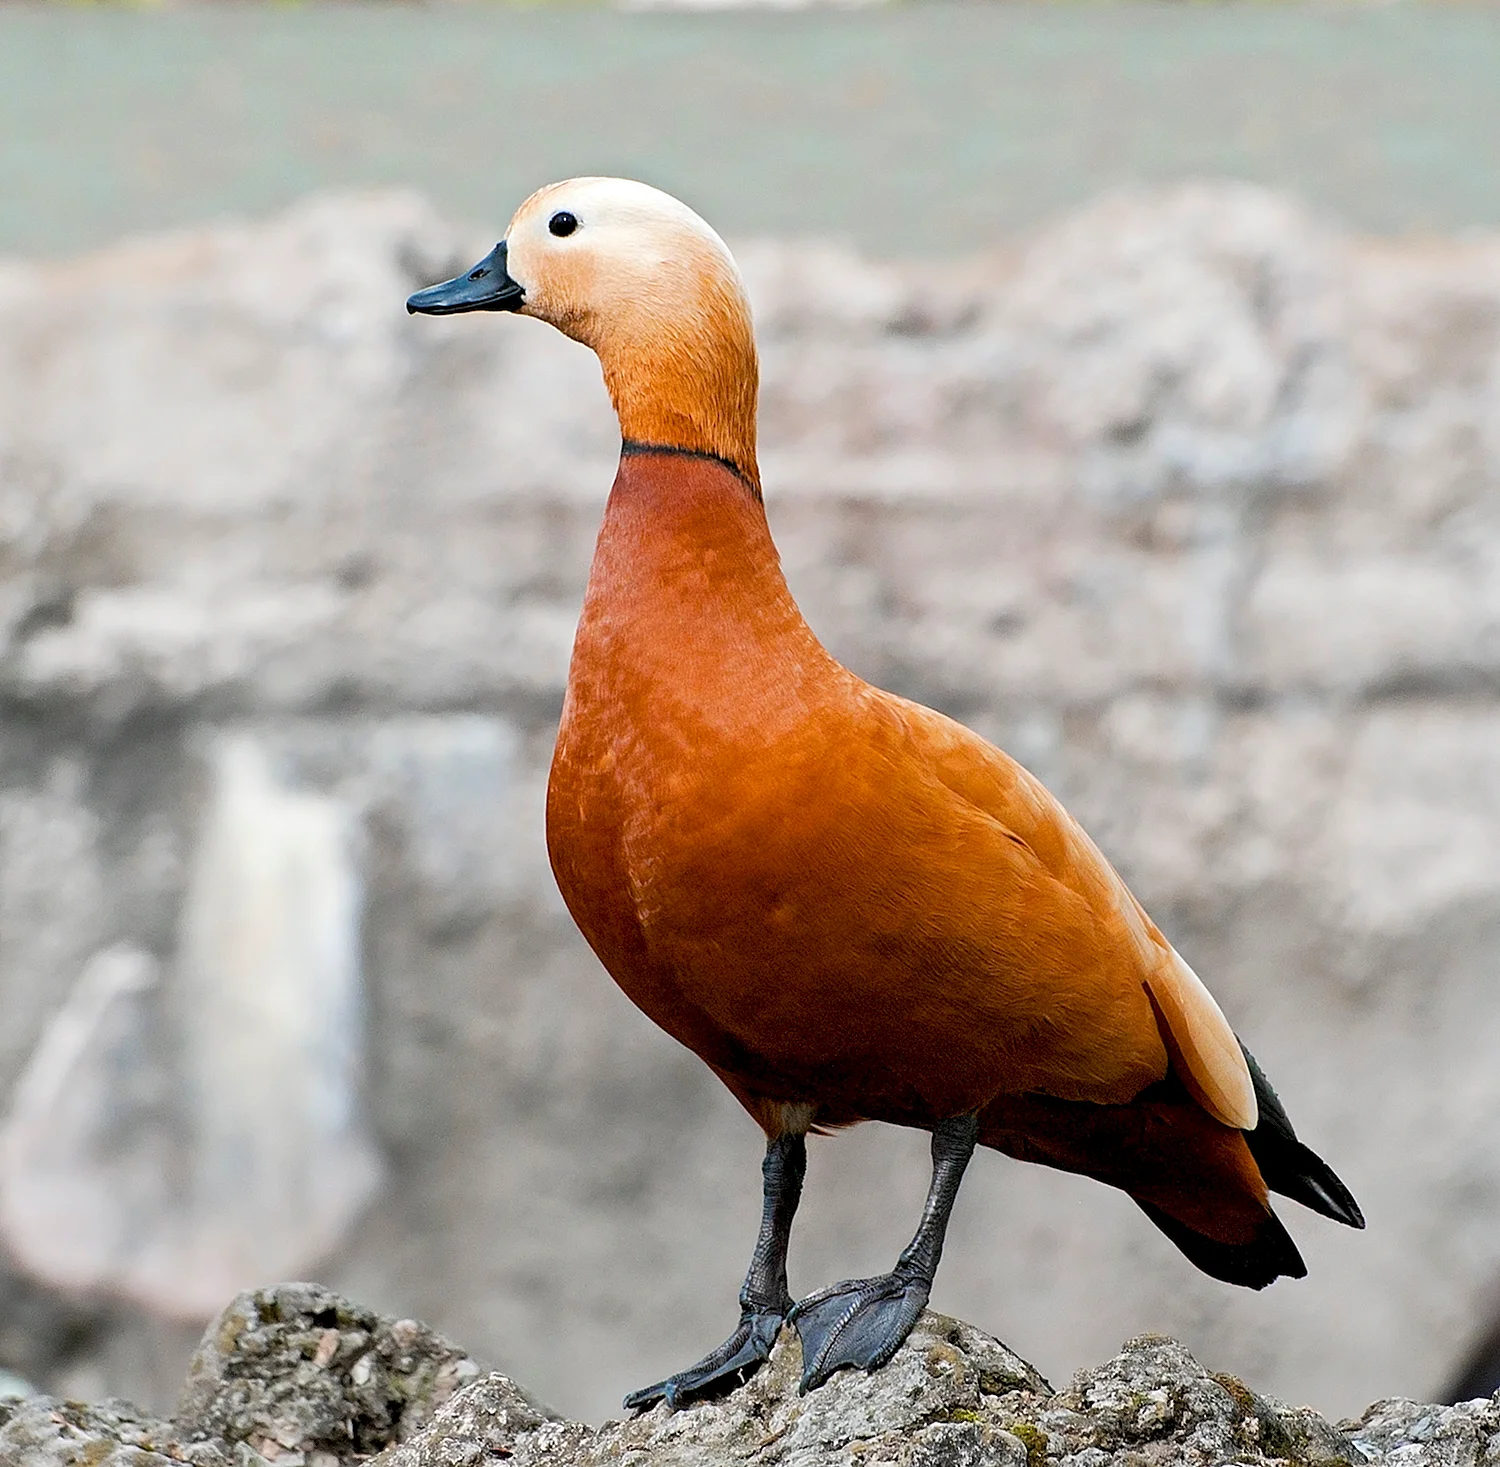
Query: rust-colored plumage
851, 907
839, 899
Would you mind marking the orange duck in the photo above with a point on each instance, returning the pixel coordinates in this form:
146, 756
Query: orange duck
849, 906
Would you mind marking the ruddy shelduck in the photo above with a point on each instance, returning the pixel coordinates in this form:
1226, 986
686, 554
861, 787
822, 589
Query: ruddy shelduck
849, 906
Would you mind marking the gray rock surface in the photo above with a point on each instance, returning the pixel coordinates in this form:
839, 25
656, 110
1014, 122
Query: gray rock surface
1191, 501
298, 1369
293, 1375
298, 1377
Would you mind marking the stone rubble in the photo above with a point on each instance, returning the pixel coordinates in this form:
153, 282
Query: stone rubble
298, 1377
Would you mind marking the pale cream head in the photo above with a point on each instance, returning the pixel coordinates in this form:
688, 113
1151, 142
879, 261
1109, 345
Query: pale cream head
654, 291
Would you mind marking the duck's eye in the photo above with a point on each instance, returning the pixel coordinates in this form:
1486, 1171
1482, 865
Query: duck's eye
562, 223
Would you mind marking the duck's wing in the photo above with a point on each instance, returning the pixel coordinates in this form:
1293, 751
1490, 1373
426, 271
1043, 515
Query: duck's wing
1204, 1050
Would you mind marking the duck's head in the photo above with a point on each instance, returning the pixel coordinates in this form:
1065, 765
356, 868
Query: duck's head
640, 278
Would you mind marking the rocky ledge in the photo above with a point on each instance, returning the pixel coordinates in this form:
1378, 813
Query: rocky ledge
298, 1377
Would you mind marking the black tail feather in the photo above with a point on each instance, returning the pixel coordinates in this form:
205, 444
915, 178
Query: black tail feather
1251, 1265
1288, 1166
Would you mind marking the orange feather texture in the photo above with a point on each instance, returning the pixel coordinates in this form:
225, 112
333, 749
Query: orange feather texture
850, 906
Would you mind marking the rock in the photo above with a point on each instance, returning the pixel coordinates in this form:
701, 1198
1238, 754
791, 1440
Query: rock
1465, 1435
297, 1369
1191, 501
294, 1376
278, 1381
483, 1421
43, 1432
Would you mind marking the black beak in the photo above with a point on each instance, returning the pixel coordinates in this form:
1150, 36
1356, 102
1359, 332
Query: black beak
487, 287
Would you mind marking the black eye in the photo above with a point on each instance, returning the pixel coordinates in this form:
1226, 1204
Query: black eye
562, 223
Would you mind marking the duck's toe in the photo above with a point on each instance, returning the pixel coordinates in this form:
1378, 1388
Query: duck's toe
719, 1372
860, 1322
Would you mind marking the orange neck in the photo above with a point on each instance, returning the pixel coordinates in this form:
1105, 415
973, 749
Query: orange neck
693, 389
681, 523
686, 588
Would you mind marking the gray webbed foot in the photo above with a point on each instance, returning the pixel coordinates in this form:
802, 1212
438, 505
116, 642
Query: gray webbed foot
860, 1322
718, 1373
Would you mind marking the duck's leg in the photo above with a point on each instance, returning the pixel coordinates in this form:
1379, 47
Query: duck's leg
863, 1321
764, 1299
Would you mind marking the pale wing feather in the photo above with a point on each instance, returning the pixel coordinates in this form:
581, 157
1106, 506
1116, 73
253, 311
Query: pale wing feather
1216, 1071
1209, 1049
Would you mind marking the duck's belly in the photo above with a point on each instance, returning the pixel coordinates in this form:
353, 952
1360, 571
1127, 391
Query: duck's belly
821, 938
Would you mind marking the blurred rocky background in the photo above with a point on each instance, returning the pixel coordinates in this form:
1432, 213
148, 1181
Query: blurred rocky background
1189, 497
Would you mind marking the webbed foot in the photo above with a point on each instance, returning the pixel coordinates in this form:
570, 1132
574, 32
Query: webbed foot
718, 1373
860, 1322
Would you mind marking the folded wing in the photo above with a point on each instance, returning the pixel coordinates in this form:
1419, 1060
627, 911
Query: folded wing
1203, 1048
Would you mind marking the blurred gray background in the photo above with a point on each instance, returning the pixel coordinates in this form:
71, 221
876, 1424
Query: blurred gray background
1132, 392
912, 130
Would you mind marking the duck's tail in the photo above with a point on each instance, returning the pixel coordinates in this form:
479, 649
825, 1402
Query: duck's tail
1266, 1257
1288, 1166
1204, 1184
